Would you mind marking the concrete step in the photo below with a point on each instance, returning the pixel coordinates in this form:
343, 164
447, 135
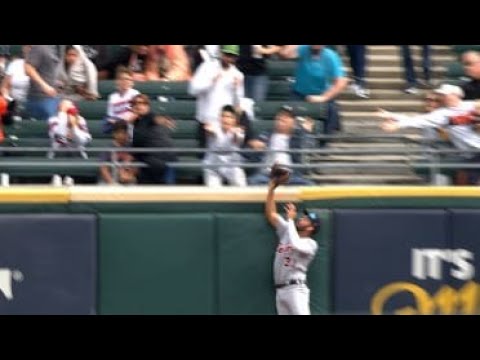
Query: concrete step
391, 83
395, 50
398, 71
366, 179
382, 94
373, 60
372, 158
413, 105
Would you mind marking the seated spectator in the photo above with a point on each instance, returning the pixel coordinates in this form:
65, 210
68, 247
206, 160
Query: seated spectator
460, 133
223, 143
125, 175
132, 57
68, 130
16, 83
471, 66
119, 103
77, 76
151, 131
285, 137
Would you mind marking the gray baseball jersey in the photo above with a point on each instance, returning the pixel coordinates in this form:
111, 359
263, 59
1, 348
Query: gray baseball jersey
293, 255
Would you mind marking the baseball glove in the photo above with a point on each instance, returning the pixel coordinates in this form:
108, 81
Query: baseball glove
280, 174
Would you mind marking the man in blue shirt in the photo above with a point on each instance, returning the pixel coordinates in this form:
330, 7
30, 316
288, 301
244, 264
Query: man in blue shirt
319, 78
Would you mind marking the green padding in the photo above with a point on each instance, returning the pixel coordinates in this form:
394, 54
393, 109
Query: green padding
246, 247
319, 275
246, 252
157, 264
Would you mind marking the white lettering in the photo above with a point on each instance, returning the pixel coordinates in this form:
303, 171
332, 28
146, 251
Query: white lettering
6, 283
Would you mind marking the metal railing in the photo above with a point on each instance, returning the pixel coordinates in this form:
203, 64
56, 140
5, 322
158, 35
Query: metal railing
432, 156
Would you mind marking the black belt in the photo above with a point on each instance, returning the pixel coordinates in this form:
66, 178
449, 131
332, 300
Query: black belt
291, 282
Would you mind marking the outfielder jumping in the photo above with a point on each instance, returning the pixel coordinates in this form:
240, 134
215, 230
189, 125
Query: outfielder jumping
295, 251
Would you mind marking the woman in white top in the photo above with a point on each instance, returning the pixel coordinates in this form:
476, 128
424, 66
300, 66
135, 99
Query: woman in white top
16, 83
78, 76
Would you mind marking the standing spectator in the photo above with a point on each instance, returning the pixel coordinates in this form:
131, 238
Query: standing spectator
357, 54
252, 63
78, 75
41, 65
319, 79
229, 138
410, 75
132, 57
16, 83
471, 65
216, 84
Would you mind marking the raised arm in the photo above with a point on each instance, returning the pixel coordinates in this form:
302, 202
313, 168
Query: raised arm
270, 206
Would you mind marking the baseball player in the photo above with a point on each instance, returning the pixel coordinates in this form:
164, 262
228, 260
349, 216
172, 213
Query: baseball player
296, 249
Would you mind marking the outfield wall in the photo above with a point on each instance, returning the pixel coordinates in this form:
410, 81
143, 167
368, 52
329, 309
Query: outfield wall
190, 250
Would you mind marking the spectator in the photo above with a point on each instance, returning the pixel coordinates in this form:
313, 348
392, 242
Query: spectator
252, 63
410, 75
461, 134
41, 65
357, 54
471, 65
119, 103
16, 84
319, 79
132, 57
227, 138
126, 175
285, 137
68, 130
153, 131
216, 84
78, 75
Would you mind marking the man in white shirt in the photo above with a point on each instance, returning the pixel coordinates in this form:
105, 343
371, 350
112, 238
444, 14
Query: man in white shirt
216, 83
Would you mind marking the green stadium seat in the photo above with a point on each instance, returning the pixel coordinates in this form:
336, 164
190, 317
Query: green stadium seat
176, 89
460, 49
182, 109
93, 109
281, 68
455, 70
16, 50
279, 90
268, 109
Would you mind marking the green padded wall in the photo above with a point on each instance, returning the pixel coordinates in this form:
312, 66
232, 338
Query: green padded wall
156, 264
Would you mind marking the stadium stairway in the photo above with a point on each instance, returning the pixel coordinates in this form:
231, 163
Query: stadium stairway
385, 79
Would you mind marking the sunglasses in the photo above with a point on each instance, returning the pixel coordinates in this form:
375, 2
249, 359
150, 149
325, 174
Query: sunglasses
139, 103
431, 100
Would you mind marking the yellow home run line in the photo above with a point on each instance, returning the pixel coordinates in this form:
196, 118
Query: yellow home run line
350, 192
25, 194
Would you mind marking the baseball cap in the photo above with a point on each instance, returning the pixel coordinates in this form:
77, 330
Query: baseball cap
448, 89
230, 49
314, 218
287, 109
